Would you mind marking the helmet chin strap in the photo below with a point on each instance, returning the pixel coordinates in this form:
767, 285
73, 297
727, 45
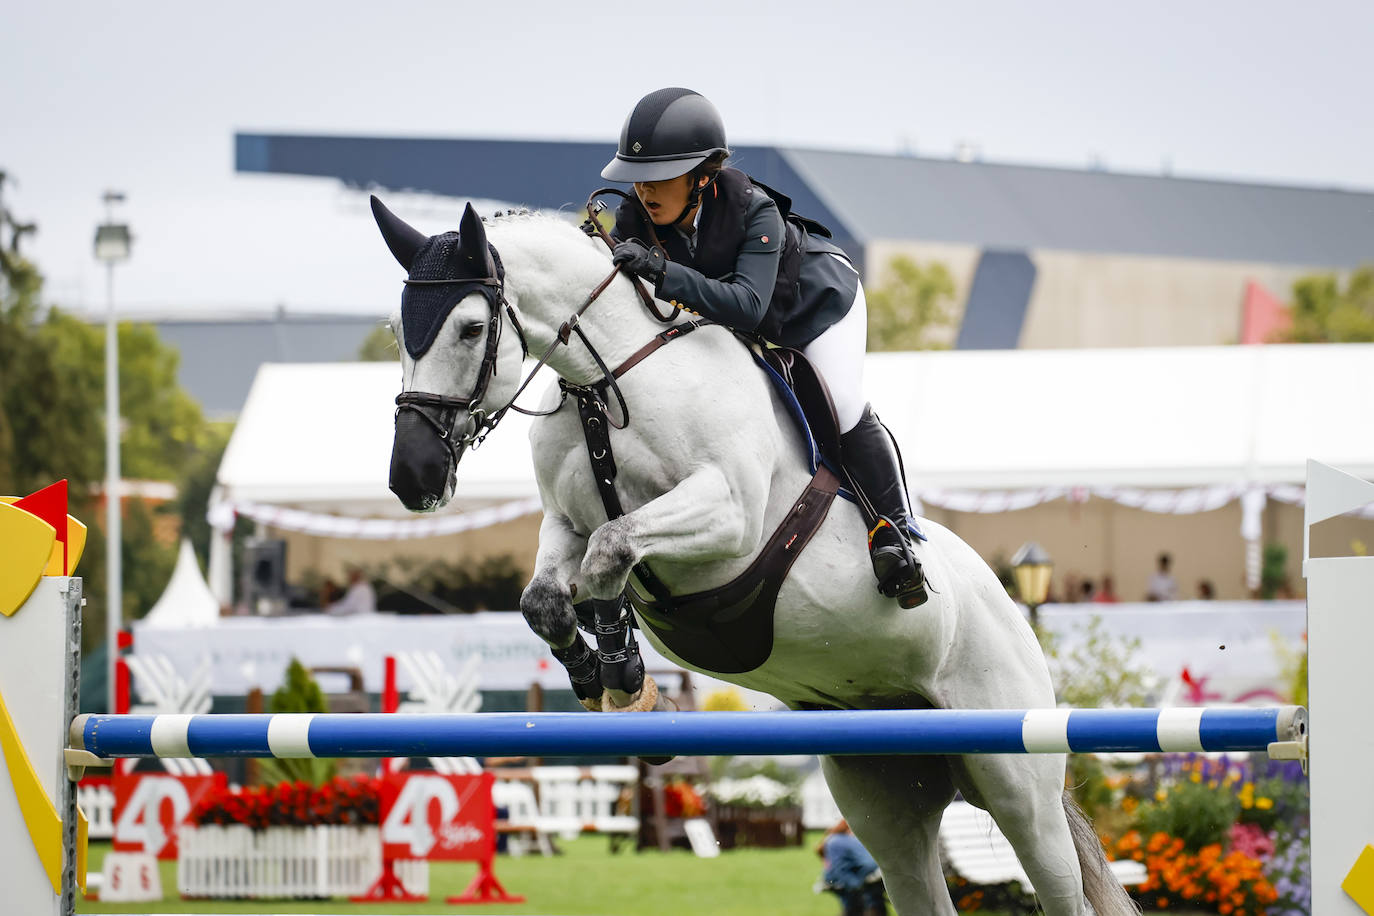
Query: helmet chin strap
693, 199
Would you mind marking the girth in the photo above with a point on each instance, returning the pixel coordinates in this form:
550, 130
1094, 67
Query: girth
727, 629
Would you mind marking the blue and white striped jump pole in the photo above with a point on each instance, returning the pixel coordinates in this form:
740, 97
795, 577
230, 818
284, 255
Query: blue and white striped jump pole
922, 731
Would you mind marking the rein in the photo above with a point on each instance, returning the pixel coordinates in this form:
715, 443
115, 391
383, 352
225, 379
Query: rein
448, 409
591, 226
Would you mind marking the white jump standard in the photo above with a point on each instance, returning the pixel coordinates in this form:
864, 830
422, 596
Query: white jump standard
887, 731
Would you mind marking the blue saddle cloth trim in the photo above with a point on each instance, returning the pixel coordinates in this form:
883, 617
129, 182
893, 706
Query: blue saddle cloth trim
789, 399
814, 457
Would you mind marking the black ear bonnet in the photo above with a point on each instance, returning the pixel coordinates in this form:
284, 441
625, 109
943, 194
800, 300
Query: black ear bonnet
442, 270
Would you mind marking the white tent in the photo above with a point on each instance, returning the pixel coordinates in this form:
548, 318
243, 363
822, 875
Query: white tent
980, 430
1144, 417
317, 436
186, 602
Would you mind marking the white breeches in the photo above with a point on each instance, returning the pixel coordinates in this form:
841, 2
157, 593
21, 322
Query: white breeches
839, 355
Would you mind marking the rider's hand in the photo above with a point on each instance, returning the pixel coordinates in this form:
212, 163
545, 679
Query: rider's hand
635, 258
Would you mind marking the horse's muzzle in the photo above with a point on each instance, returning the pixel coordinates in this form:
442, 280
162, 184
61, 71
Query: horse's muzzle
421, 463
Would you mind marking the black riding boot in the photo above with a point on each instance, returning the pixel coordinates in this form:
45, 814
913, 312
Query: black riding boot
871, 462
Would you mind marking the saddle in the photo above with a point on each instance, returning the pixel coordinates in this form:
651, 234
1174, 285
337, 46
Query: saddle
729, 629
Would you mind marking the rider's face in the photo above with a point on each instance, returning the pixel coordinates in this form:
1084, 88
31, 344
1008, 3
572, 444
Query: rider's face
665, 199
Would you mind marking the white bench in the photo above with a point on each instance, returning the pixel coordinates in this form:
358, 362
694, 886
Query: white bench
562, 800
977, 851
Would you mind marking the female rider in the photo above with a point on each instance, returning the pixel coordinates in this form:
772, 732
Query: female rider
713, 241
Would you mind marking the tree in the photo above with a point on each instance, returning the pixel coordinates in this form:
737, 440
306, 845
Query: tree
379, 346
1324, 313
914, 300
52, 425
44, 410
197, 483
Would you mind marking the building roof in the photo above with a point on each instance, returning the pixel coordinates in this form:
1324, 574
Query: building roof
865, 197
550, 175
1025, 207
220, 356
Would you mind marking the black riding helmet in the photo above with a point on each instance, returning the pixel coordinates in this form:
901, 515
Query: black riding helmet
669, 133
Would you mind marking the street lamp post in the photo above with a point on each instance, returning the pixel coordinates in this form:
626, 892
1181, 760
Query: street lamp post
112, 243
1032, 567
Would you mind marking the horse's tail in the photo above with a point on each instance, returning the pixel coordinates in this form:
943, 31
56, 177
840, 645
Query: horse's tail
1100, 886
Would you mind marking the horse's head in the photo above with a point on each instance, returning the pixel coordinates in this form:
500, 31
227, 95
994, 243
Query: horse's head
450, 333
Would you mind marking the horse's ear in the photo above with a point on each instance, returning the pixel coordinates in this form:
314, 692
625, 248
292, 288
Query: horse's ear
472, 244
403, 239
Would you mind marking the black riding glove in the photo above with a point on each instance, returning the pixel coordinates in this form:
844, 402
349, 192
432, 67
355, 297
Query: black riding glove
634, 257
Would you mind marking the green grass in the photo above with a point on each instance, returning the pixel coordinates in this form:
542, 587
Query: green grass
587, 879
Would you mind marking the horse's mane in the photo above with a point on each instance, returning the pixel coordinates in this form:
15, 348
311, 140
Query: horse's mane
526, 229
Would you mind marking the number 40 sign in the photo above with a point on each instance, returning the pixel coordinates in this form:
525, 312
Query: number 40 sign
433, 816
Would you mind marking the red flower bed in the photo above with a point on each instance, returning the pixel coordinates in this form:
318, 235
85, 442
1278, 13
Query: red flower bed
342, 800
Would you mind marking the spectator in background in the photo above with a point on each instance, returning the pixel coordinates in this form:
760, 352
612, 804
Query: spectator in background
1072, 589
358, 599
330, 591
1205, 590
851, 873
1107, 593
1086, 592
1162, 586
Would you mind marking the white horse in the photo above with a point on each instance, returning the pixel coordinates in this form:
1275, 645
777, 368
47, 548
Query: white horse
708, 465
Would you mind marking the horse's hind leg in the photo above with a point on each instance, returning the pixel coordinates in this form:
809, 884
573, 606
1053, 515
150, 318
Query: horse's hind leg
894, 806
1024, 794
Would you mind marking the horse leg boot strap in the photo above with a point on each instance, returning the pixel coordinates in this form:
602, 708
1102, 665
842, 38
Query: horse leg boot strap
622, 669
873, 469
584, 671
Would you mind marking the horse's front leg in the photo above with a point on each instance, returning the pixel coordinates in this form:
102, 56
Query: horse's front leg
699, 519
548, 607
696, 519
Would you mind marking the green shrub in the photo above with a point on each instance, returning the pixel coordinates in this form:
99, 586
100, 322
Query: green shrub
1194, 812
298, 693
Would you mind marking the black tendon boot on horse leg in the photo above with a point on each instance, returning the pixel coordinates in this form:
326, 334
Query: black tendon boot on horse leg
870, 460
622, 668
584, 671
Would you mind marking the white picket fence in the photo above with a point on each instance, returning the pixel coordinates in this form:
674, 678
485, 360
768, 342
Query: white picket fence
574, 799
328, 861
98, 803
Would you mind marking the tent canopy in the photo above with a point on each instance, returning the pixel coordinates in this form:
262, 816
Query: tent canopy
318, 436
187, 601
1145, 417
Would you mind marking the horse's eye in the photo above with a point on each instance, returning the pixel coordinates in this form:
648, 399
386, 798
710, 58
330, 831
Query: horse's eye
472, 330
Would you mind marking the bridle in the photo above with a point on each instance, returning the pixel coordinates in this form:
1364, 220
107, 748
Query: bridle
444, 412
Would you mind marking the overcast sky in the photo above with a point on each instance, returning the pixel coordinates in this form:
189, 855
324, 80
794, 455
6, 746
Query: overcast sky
146, 97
